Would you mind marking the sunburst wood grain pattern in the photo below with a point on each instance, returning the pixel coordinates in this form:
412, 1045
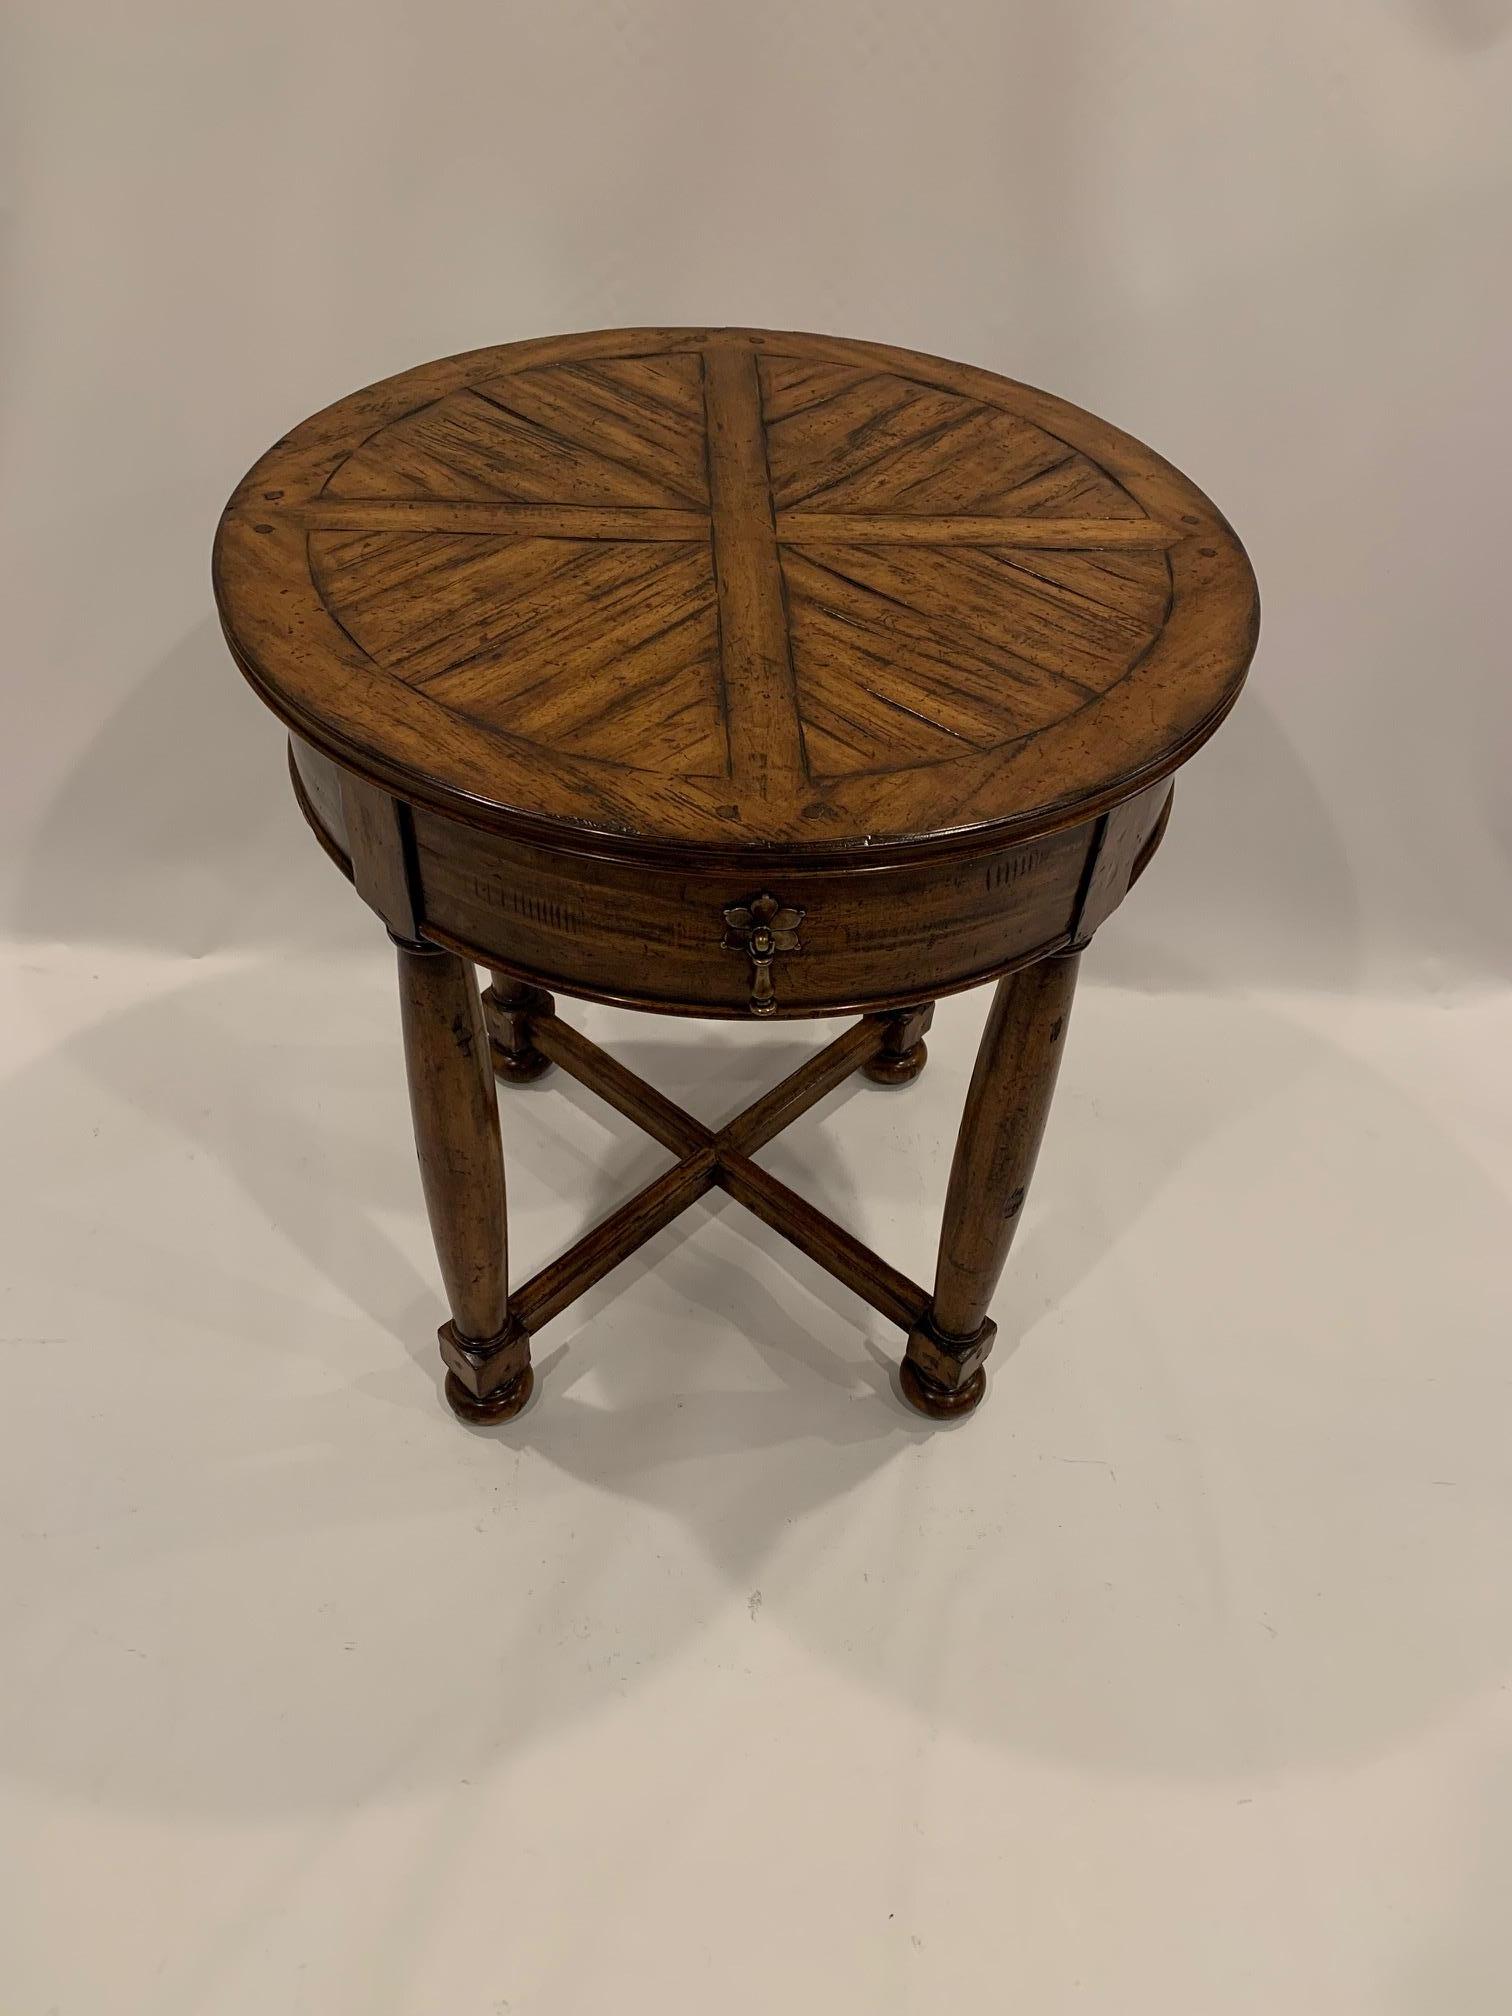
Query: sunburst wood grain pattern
733, 588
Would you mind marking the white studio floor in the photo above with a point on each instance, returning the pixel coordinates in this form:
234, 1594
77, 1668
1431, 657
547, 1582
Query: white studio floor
1175, 1680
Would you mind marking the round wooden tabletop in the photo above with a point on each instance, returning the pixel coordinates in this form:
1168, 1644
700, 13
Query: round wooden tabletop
669, 589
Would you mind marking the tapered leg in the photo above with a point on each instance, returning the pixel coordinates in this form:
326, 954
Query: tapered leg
507, 1008
1001, 1128
901, 1058
456, 1119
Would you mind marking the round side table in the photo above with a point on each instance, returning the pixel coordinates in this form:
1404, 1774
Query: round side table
725, 672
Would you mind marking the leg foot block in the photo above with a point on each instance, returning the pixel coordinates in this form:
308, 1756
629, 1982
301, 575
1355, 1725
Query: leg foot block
941, 1403
518, 1067
508, 1006
487, 1380
500, 1405
943, 1375
886, 1069
901, 1057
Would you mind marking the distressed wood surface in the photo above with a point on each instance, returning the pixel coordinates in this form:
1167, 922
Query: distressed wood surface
875, 932
485, 1348
737, 590
708, 1157
725, 672
1002, 1124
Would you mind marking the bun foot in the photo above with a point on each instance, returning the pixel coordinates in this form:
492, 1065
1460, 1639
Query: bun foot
508, 1007
941, 1403
899, 1058
518, 1067
501, 1405
902, 1069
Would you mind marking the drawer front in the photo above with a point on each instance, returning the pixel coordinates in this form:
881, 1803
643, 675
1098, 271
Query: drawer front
852, 938
690, 940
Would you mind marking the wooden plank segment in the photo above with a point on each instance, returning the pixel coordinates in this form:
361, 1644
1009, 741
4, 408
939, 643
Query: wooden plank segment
592, 415
767, 1116
522, 521
621, 1087
381, 854
875, 528
766, 741
837, 1251
710, 1159
640, 1218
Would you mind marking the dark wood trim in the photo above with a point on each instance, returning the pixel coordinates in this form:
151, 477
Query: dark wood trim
1126, 839
311, 816
510, 1012
801, 1089
651, 1005
619, 1086
903, 1053
839, 1252
615, 1238
1002, 1124
383, 855
1157, 833
711, 1157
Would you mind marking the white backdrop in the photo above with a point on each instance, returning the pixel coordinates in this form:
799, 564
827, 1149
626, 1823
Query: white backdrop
676, 1697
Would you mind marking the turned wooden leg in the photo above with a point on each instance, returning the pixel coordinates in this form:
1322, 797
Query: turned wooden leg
901, 1058
1001, 1128
456, 1115
507, 1008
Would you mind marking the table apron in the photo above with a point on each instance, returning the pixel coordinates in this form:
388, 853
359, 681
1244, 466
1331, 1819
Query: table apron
657, 936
